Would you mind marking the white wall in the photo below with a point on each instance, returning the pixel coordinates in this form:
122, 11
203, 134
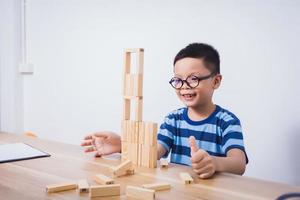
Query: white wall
77, 50
11, 83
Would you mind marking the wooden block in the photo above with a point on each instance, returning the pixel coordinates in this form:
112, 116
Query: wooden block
133, 153
145, 155
138, 85
124, 149
157, 186
61, 187
132, 132
136, 132
139, 110
127, 62
134, 50
83, 186
105, 190
122, 168
102, 179
186, 178
140, 61
140, 193
164, 163
147, 133
128, 86
130, 172
124, 130
153, 157
129, 135
131, 88
30, 134
141, 133
139, 155
152, 133
126, 109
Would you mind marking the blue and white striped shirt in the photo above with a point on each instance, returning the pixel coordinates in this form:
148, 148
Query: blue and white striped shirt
217, 134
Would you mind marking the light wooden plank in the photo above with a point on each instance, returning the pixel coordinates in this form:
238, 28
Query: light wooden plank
140, 193
102, 179
157, 186
83, 186
186, 178
61, 187
105, 190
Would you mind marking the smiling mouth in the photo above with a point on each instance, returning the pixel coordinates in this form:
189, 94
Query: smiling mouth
188, 96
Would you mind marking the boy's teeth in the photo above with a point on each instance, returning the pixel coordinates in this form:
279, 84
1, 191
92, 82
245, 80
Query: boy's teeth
188, 95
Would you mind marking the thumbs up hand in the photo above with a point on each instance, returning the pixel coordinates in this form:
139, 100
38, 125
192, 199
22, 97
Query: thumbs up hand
202, 163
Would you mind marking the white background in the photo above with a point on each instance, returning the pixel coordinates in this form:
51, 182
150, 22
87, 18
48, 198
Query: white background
77, 51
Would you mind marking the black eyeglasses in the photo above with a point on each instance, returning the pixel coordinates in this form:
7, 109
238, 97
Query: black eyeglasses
191, 81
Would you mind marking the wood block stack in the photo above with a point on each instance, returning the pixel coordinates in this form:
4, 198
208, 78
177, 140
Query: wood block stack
139, 139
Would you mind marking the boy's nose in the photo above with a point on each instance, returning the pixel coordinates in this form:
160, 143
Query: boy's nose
185, 85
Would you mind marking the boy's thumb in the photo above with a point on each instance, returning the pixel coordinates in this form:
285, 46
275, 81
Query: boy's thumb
193, 145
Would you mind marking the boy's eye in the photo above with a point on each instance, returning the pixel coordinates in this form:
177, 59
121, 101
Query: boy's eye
192, 78
176, 81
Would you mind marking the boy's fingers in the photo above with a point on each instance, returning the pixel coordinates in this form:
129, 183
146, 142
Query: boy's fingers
86, 143
97, 154
203, 170
101, 134
198, 156
206, 175
193, 145
198, 165
88, 137
90, 149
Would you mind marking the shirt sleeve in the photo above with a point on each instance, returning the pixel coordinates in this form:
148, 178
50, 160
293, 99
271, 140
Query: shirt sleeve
232, 137
165, 135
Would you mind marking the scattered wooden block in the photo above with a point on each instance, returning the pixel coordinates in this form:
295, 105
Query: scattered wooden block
164, 163
105, 190
140, 193
30, 134
157, 186
186, 178
122, 169
83, 186
61, 187
102, 179
130, 172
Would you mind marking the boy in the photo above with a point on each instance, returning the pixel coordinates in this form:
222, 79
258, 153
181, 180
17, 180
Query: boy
202, 134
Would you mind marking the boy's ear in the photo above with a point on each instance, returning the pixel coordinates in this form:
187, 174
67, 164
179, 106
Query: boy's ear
217, 81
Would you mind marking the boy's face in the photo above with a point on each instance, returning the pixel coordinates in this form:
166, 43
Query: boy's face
202, 94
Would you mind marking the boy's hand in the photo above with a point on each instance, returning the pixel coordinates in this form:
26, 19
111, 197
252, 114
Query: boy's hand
103, 143
202, 162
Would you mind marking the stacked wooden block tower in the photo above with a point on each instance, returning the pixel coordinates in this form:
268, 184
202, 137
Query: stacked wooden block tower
139, 139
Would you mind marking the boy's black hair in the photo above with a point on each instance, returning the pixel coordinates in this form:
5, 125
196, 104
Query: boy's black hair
203, 51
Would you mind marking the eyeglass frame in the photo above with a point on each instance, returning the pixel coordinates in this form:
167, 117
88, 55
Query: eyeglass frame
187, 83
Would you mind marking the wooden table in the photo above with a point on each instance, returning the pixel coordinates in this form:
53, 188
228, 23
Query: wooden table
28, 179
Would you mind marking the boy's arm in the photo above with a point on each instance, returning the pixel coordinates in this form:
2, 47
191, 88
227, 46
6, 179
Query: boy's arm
234, 162
160, 151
